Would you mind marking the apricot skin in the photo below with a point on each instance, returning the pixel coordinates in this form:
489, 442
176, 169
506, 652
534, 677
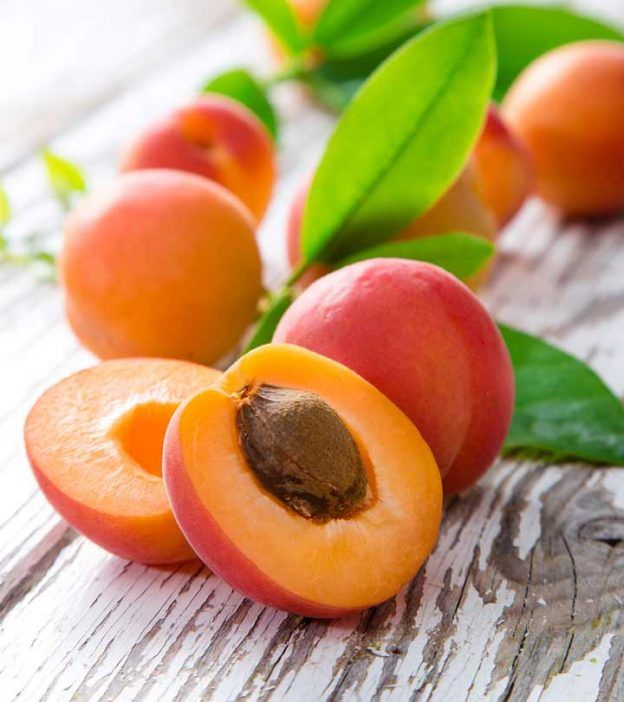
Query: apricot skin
504, 168
423, 339
85, 471
268, 551
568, 108
459, 209
307, 13
214, 137
293, 237
160, 263
489, 192
154, 542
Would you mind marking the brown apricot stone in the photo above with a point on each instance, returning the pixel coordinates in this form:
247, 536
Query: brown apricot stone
301, 451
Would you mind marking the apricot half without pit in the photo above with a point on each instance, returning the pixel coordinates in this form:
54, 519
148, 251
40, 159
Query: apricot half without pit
94, 441
302, 485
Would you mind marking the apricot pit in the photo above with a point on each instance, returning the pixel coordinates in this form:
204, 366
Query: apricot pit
300, 450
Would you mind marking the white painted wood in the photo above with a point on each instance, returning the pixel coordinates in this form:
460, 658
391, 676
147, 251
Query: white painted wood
522, 598
60, 59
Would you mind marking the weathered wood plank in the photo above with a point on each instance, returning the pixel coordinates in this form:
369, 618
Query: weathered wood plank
522, 598
61, 61
496, 612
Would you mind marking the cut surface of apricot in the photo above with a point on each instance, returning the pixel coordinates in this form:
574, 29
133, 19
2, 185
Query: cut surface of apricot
94, 441
365, 489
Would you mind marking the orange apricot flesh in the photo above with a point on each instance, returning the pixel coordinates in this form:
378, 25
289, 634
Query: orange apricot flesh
94, 441
265, 549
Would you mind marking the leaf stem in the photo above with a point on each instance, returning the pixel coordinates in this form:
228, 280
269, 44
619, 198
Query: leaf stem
297, 272
295, 70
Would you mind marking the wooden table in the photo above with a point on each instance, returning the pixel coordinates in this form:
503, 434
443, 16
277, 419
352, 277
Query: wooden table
523, 597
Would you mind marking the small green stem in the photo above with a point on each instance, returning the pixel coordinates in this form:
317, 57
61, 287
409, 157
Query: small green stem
284, 289
14, 259
298, 271
295, 70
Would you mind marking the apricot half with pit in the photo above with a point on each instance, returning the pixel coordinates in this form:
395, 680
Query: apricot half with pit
94, 441
301, 484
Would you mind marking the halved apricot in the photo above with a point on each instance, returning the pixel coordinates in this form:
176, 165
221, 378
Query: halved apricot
94, 441
302, 485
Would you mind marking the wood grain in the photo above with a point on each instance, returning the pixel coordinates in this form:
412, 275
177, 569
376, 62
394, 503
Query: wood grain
523, 596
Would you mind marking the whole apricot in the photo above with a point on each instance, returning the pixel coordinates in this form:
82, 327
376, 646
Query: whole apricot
504, 169
459, 209
214, 137
422, 338
568, 108
160, 263
308, 11
488, 193
301, 485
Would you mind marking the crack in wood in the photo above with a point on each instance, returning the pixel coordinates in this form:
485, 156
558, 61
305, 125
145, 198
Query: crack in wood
35, 574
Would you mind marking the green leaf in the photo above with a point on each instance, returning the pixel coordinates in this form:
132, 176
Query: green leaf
459, 253
402, 141
335, 95
282, 21
241, 86
524, 32
5, 207
65, 178
336, 80
267, 324
45, 263
350, 26
562, 407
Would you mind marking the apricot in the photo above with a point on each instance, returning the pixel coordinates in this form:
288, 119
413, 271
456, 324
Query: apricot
160, 263
94, 441
459, 209
423, 339
293, 237
568, 108
488, 193
301, 485
214, 137
307, 13
504, 169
